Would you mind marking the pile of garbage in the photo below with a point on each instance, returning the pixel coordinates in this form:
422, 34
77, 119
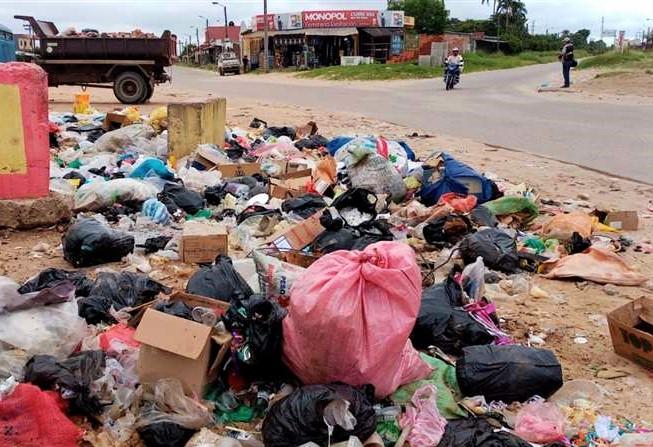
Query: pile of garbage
337, 296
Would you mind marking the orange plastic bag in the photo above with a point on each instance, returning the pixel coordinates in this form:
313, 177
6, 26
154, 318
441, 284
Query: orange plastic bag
563, 226
350, 316
459, 202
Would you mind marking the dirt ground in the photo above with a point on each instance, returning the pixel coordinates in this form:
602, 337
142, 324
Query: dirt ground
576, 309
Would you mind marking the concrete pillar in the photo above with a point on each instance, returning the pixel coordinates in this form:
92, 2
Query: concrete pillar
24, 143
195, 123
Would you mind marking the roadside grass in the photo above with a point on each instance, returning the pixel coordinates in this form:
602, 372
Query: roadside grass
633, 60
474, 62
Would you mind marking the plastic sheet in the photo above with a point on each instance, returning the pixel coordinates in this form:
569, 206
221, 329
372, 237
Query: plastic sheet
165, 402
119, 139
54, 330
197, 180
540, 422
563, 226
459, 202
513, 205
601, 266
425, 423
346, 302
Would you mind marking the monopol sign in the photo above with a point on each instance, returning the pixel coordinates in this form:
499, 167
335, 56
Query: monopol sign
340, 18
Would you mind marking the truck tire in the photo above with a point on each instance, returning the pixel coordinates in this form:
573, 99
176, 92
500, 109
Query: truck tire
150, 92
130, 87
221, 71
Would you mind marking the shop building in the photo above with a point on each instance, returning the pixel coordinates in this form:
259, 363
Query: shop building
321, 38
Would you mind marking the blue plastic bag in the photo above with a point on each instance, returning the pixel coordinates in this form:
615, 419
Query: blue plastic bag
152, 167
156, 211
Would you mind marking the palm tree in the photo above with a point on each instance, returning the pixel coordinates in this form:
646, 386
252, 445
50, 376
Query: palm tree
514, 10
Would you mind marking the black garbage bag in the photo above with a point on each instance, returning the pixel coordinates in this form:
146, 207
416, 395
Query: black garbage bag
189, 201
442, 323
219, 281
255, 210
72, 377
483, 217
165, 434
277, 132
372, 232
508, 373
117, 210
447, 229
259, 321
304, 206
300, 417
90, 242
51, 277
329, 241
478, 432
214, 194
498, 250
175, 308
360, 199
331, 223
154, 244
578, 243
312, 142
256, 123
118, 290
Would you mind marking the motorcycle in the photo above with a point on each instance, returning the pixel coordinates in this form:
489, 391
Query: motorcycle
451, 75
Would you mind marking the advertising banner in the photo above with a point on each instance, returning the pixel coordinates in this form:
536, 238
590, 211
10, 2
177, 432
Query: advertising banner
340, 19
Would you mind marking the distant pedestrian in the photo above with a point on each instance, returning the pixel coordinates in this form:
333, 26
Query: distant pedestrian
567, 58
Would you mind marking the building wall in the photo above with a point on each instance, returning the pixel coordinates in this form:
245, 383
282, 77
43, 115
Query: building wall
464, 42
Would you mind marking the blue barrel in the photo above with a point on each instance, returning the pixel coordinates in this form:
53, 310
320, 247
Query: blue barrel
7, 45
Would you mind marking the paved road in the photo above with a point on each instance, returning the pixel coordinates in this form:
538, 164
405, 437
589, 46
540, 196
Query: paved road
501, 108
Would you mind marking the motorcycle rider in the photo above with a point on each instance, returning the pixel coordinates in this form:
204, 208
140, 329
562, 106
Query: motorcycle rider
457, 59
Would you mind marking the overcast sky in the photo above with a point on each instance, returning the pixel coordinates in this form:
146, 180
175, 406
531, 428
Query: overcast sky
182, 16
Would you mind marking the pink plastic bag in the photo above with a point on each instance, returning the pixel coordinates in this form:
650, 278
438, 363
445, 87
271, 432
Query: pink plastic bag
540, 422
350, 316
427, 425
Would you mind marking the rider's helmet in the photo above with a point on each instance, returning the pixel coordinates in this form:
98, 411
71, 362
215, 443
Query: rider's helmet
455, 50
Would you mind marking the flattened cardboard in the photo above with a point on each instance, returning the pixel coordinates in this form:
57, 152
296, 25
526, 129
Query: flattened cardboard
626, 325
299, 235
295, 174
202, 242
238, 169
623, 220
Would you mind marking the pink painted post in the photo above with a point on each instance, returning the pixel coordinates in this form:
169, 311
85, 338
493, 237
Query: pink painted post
24, 144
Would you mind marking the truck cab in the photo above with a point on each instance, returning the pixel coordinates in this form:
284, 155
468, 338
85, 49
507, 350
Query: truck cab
7, 45
228, 62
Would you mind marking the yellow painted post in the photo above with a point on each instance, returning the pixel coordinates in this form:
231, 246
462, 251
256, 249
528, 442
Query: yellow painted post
191, 124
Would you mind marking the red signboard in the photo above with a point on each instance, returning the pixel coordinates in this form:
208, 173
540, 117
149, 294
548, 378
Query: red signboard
260, 22
337, 19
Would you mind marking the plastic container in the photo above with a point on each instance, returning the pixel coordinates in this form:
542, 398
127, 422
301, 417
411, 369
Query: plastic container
82, 103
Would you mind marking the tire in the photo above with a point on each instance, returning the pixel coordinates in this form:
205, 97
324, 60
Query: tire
130, 87
450, 82
221, 71
150, 92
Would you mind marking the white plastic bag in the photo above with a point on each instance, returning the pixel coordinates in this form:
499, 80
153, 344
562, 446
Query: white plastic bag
276, 277
55, 330
97, 195
119, 139
199, 180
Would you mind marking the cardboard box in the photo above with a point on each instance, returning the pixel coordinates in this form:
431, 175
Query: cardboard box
631, 329
296, 174
299, 235
178, 348
623, 220
115, 120
203, 241
292, 187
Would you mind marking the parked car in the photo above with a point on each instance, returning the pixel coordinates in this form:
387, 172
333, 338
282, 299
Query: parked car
228, 62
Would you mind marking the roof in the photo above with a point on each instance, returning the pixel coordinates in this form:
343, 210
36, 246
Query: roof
217, 33
341, 32
378, 32
5, 29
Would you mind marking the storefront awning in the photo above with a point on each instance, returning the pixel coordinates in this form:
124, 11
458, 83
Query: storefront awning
338, 32
260, 34
377, 32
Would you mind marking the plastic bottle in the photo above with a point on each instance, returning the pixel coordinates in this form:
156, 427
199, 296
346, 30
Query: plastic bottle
204, 315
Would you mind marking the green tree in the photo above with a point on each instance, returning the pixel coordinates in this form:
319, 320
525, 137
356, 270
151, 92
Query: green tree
580, 37
430, 15
512, 17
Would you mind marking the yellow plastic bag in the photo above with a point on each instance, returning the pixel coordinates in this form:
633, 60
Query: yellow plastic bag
159, 118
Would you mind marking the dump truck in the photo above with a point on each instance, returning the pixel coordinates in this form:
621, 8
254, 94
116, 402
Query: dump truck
132, 66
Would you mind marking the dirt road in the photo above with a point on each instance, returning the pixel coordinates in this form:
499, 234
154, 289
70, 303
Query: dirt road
500, 108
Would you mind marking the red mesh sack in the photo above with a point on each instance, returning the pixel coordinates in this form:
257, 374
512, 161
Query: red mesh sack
30, 417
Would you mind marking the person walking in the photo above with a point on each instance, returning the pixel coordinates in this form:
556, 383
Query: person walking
567, 58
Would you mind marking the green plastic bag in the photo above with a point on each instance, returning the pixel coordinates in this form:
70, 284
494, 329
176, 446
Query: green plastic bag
444, 379
513, 205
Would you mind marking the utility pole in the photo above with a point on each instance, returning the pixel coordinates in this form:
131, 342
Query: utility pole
533, 27
226, 24
265, 36
602, 25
